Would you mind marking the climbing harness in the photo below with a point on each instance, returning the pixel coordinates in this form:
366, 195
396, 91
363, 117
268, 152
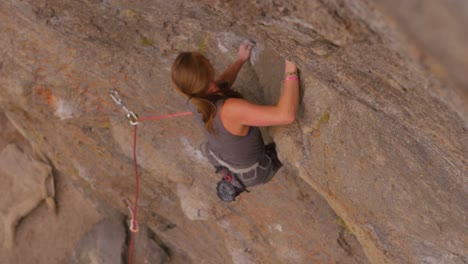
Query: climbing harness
134, 120
225, 189
258, 172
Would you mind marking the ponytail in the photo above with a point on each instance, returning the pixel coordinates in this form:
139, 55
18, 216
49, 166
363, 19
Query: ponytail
208, 111
191, 77
206, 106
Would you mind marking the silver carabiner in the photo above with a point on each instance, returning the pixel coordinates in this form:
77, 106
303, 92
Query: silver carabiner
132, 117
133, 223
115, 96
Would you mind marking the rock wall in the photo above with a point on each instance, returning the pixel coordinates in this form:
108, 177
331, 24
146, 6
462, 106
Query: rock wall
374, 166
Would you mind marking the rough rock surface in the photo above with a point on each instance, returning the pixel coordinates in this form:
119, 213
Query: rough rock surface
375, 166
54, 230
101, 245
41, 235
148, 248
30, 183
106, 243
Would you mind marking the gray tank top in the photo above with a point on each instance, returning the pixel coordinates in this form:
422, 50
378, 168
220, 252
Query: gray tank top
235, 150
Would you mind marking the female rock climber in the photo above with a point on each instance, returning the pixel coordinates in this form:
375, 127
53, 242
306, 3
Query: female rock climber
230, 122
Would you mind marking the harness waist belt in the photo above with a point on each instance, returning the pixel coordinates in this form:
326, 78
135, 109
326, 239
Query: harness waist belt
231, 167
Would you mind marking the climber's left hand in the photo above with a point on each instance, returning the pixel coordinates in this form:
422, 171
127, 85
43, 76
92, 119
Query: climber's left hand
244, 50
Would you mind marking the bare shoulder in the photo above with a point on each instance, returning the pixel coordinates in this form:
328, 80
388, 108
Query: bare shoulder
234, 105
231, 116
229, 106
232, 102
243, 112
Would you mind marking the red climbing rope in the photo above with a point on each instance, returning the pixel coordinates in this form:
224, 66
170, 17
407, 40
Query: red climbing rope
133, 118
154, 118
134, 207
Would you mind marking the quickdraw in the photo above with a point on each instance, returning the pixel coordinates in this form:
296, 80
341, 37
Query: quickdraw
132, 117
134, 121
133, 223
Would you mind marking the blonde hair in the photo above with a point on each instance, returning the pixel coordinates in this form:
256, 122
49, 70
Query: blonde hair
192, 77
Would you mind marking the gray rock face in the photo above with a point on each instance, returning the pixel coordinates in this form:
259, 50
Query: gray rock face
147, 249
30, 182
375, 166
101, 245
105, 244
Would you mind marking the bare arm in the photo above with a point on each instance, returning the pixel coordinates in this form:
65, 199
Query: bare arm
289, 100
230, 74
238, 114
